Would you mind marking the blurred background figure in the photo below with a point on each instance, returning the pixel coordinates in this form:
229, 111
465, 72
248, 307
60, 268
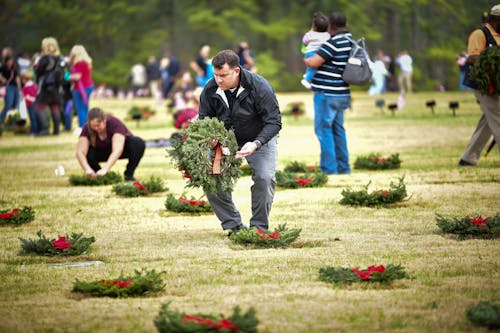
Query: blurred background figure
379, 73
139, 79
83, 85
246, 56
153, 74
202, 66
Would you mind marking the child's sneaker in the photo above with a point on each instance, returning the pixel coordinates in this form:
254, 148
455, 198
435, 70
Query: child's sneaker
306, 84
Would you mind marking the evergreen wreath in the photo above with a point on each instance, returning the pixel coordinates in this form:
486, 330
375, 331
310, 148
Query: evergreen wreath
281, 237
135, 189
484, 314
381, 274
184, 205
375, 161
173, 321
296, 180
294, 109
111, 177
138, 284
486, 71
470, 226
17, 216
196, 155
140, 112
296, 166
396, 193
63, 246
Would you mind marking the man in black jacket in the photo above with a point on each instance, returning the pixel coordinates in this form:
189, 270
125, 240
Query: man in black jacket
246, 103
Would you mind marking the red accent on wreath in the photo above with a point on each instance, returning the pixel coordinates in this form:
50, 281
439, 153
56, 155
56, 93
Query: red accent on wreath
62, 244
222, 324
9, 215
479, 221
121, 284
139, 186
303, 181
384, 193
217, 160
192, 202
263, 235
367, 273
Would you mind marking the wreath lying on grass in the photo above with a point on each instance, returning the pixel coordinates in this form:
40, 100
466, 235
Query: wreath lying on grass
377, 162
343, 275
111, 177
478, 226
135, 189
175, 321
184, 205
484, 314
63, 246
140, 112
296, 166
296, 180
206, 152
17, 216
281, 237
396, 193
294, 109
138, 284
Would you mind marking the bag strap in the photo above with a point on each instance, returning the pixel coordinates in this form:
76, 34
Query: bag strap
490, 40
357, 46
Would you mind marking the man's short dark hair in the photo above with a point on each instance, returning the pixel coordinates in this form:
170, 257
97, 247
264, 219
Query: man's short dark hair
338, 20
226, 57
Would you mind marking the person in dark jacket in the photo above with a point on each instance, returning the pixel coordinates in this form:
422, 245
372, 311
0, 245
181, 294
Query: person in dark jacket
246, 103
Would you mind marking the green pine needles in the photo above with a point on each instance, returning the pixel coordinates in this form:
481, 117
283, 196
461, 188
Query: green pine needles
194, 153
301, 167
281, 237
63, 246
141, 283
375, 161
173, 321
381, 274
17, 216
396, 193
135, 189
184, 205
486, 71
485, 314
470, 226
297, 180
109, 178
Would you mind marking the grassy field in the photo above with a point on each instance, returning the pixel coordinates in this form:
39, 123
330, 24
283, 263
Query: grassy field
206, 273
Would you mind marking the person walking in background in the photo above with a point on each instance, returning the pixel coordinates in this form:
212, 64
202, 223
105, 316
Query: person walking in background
332, 96
405, 63
246, 56
139, 78
29, 92
153, 74
312, 40
9, 76
461, 63
379, 73
81, 76
170, 68
104, 138
49, 72
246, 103
489, 123
202, 66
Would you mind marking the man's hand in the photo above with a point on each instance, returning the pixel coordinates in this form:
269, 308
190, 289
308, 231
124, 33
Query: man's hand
248, 149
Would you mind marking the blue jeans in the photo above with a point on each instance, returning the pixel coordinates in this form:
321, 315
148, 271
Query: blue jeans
33, 120
309, 71
11, 100
81, 108
329, 128
264, 163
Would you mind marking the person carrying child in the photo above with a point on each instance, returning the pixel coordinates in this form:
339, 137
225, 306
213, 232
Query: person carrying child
312, 41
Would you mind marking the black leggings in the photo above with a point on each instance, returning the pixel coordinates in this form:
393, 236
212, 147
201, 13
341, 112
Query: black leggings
133, 150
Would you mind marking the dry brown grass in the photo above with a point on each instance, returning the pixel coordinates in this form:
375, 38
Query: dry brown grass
205, 273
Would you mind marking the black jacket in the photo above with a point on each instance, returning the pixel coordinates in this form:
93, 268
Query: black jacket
255, 115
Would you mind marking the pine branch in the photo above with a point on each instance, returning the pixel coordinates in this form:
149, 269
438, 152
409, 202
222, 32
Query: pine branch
109, 178
281, 237
375, 161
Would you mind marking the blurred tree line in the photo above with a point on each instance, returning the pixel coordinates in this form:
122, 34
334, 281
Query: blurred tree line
119, 33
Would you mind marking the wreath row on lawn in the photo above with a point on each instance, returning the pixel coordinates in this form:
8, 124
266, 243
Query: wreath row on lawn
139, 284
184, 205
382, 197
74, 245
280, 237
17, 216
375, 161
470, 226
135, 189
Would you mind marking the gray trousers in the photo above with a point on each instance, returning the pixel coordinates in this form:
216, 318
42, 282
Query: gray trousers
489, 124
264, 163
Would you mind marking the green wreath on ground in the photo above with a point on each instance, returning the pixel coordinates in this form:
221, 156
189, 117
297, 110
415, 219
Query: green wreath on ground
280, 237
470, 226
486, 314
396, 193
296, 180
375, 161
206, 152
109, 178
135, 189
138, 284
381, 274
174, 321
63, 246
485, 71
302, 167
184, 205
17, 216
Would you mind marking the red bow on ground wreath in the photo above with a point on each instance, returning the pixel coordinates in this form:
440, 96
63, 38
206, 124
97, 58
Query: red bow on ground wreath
192, 202
366, 274
262, 234
62, 244
223, 324
479, 220
121, 284
302, 181
13, 212
139, 186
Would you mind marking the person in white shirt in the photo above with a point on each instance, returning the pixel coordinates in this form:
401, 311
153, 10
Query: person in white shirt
405, 63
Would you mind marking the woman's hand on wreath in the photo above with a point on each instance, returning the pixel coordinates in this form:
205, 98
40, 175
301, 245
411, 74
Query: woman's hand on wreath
101, 172
248, 149
90, 173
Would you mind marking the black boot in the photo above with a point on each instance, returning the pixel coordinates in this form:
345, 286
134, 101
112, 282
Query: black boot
56, 120
43, 123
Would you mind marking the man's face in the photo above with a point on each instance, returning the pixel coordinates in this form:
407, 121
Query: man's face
227, 77
495, 22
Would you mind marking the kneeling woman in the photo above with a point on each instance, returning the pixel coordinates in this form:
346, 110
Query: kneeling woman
105, 138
